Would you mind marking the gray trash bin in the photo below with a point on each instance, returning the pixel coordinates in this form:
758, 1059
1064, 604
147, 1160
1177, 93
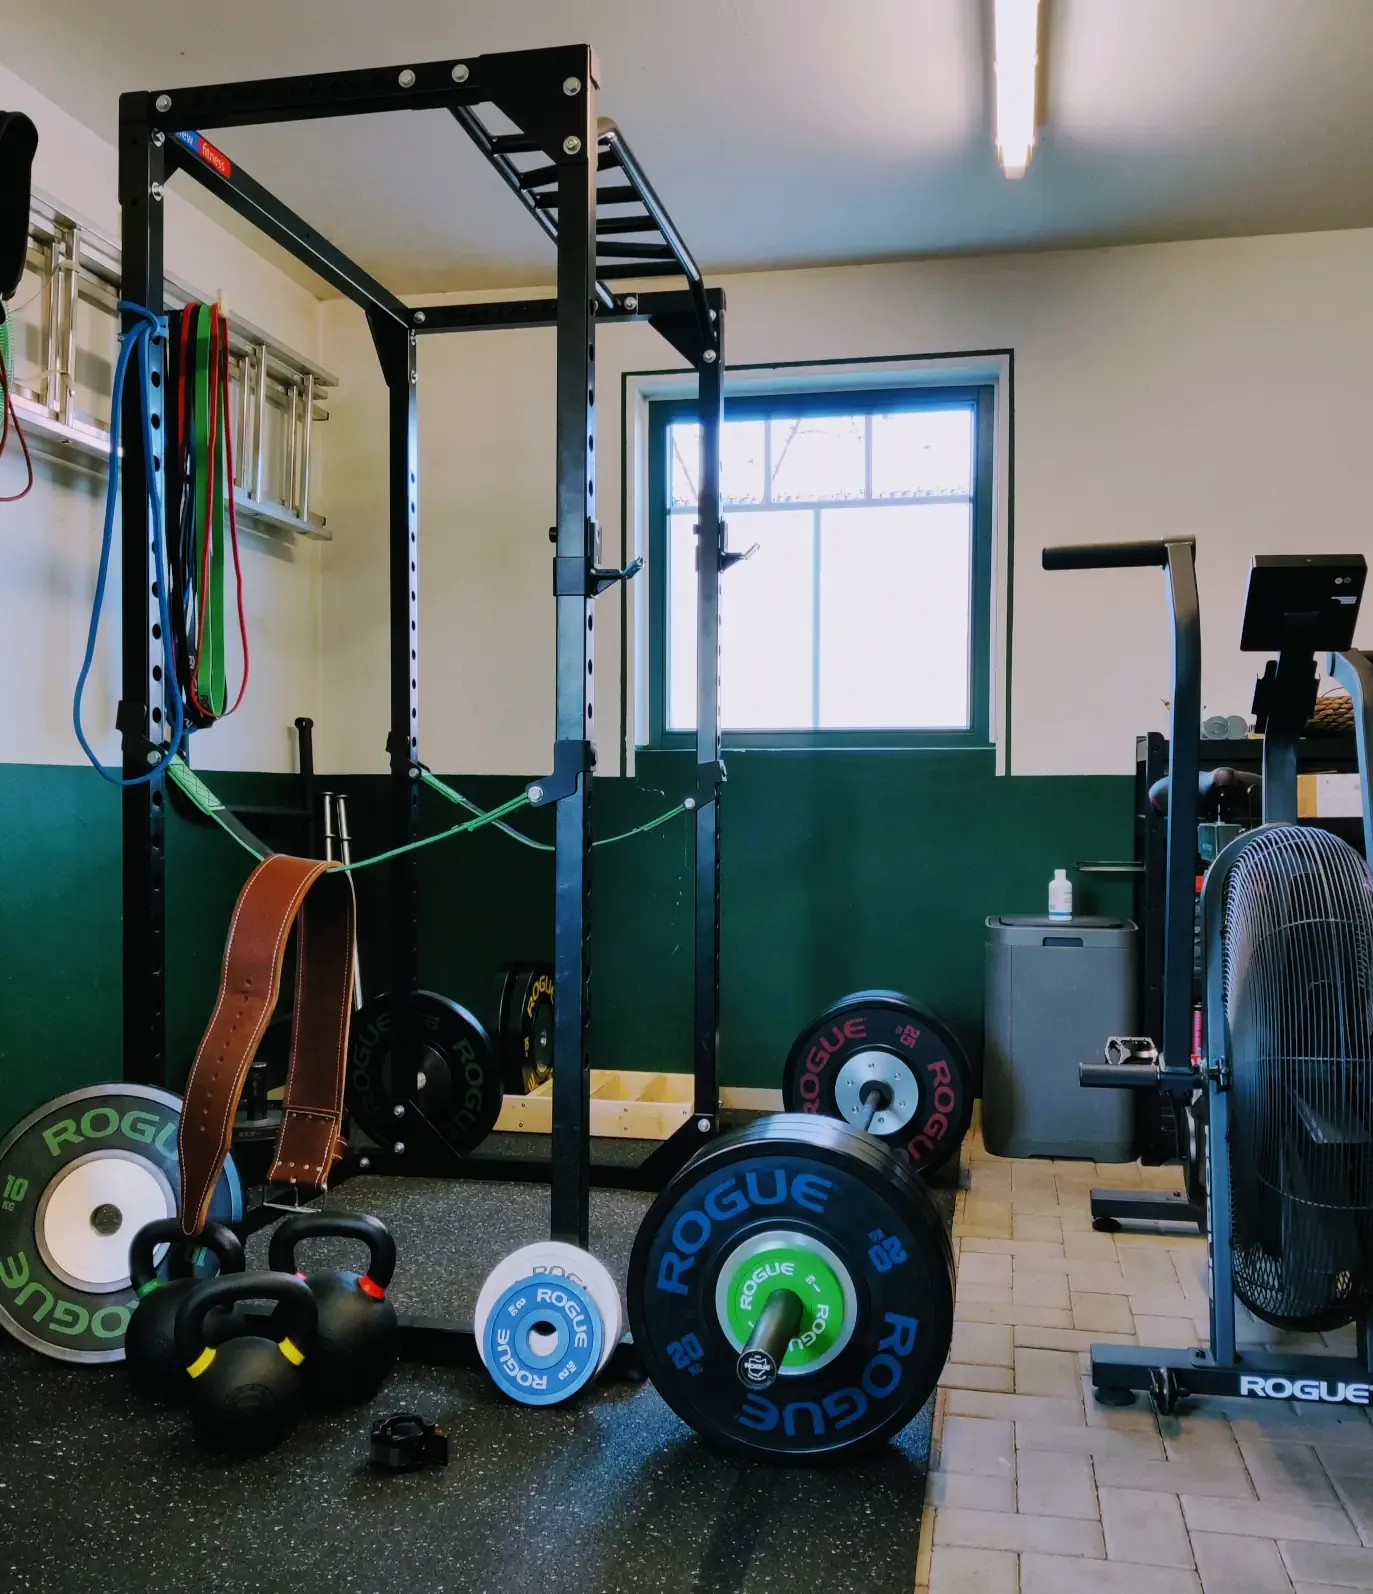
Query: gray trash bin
1056, 988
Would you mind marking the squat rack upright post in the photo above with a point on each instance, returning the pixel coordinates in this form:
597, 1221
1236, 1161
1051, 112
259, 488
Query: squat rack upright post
550, 97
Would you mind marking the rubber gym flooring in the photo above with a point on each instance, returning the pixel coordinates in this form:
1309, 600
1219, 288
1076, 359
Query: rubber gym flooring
611, 1493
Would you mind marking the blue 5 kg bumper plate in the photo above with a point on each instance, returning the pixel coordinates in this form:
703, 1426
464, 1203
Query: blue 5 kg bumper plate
542, 1341
553, 1260
78, 1179
809, 1205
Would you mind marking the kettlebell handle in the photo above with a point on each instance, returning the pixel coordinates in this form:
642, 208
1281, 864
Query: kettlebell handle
381, 1248
222, 1242
291, 1324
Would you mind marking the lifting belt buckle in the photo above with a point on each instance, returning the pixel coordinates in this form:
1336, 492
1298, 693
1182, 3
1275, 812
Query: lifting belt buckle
280, 891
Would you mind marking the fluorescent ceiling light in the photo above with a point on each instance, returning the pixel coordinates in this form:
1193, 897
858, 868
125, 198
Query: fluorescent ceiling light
1017, 58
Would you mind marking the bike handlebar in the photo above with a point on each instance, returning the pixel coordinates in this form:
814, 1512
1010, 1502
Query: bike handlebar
1105, 555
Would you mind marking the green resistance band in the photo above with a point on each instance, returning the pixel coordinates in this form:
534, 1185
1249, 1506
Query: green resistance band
435, 784
210, 805
209, 523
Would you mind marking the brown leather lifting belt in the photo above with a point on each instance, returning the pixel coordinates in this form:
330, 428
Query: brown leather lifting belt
308, 1143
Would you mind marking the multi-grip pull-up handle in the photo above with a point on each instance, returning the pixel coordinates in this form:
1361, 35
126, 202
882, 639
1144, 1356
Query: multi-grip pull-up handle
1105, 555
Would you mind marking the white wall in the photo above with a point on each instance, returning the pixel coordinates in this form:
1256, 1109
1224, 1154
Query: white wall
486, 574
1220, 389
49, 543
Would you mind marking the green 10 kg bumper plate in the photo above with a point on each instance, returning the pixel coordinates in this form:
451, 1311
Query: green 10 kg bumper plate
78, 1179
782, 1259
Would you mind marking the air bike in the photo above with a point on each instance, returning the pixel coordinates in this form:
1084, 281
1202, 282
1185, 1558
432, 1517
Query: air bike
1281, 1096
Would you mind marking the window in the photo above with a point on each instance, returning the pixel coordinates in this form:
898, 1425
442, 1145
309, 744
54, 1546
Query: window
864, 615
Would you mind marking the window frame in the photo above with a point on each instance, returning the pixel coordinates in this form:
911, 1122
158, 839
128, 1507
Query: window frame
980, 397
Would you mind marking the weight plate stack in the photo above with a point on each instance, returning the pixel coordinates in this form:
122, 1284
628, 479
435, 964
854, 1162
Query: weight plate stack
807, 1205
524, 1027
459, 1088
553, 1259
78, 1179
885, 1038
543, 1339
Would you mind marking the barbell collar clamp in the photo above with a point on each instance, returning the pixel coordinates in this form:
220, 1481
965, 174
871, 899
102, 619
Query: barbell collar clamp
405, 1442
760, 1361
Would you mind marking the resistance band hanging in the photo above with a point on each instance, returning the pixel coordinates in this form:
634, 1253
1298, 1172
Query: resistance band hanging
136, 340
8, 417
200, 474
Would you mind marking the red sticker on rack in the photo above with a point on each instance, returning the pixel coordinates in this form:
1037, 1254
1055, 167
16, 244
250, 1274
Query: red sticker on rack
214, 158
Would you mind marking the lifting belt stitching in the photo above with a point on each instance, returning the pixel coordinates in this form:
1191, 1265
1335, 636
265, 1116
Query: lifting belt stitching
278, 891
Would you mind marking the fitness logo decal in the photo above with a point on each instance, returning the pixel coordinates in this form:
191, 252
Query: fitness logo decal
853, 1029
758, 1368
214, 158
768, 1187
936, 1126
543, 986
1335, 1394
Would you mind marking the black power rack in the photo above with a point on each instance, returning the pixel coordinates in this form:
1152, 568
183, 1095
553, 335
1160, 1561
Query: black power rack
553, 164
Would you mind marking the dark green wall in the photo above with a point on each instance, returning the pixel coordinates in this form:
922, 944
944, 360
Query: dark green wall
840, 870
60, 919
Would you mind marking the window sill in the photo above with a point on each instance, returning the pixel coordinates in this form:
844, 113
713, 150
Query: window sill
828, 742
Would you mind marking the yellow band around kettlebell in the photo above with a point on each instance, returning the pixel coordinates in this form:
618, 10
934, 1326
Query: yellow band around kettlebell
201, 1362
291, 1352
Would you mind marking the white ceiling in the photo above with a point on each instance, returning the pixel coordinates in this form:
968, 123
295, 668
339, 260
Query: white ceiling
780, 132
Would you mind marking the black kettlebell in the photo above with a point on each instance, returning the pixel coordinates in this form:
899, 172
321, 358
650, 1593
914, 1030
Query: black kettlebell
246, 1395
358, 1336
150, 1339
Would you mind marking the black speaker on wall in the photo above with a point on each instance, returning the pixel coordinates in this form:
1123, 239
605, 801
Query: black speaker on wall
18, 141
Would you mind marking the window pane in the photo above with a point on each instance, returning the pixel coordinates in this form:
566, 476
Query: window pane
922, 453
741, 462
681, 621
767, 617
818, 456
684, 444
767, 625
895, 617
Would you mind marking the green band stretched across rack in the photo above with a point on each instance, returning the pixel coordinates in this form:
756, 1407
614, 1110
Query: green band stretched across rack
195, 789
435, 784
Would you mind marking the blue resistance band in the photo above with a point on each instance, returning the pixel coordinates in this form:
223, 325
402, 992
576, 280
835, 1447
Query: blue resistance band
146, 328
